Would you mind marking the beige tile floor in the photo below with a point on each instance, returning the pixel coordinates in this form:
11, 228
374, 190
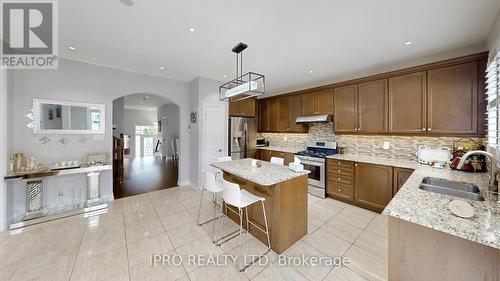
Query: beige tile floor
117, 244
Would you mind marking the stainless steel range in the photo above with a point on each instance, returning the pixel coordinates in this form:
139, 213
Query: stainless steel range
314, 160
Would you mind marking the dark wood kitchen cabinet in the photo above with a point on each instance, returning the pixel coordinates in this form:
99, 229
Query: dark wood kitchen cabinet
266, 154
373, 186
373, 106
318, 103
296, 111
243, 108
264, 116
400, 177
345, 109
453, 99
340, 180
274, 109
407, 103
284, 114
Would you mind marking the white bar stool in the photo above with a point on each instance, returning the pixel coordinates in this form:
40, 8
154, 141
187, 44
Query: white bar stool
277, 160
241, 198
212, 186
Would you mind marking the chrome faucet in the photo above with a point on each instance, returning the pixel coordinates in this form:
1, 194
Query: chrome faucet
493, 168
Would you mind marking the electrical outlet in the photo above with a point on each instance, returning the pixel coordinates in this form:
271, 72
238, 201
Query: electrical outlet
386, 145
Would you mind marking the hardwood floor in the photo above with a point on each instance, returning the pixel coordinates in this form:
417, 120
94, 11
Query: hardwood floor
146, 174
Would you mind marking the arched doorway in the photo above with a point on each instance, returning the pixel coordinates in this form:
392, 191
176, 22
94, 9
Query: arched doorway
145, 144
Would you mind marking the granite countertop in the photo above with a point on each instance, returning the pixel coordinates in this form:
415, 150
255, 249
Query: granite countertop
431, 209
268, 174
281, 148
400, 163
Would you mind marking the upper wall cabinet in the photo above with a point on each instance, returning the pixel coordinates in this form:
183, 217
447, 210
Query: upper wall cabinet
345, 109
279, 114
243, 108
407, 103
317, 103
443, 98
453, 99
372, 106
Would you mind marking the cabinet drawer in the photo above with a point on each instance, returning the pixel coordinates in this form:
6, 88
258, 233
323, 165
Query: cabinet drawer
340, 164
341, 171
341, 190
341, 179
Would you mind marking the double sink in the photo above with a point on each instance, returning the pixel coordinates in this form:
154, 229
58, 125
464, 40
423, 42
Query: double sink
453, 188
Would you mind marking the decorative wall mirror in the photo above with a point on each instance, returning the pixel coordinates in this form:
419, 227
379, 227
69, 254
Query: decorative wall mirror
64, 117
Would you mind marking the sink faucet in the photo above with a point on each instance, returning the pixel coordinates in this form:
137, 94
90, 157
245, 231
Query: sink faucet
493, 168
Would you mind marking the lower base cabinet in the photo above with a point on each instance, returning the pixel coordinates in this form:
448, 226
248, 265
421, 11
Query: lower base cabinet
373, 186
265, 155
365, 185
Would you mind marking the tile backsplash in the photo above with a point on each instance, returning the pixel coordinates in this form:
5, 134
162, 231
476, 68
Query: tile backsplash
401, 147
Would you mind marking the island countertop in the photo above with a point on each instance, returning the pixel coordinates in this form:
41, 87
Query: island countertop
266, 175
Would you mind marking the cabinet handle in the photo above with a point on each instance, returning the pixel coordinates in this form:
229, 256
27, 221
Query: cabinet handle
339, 171
429, 129
339, 178
423, 129
339, 163
339, 190
355, 165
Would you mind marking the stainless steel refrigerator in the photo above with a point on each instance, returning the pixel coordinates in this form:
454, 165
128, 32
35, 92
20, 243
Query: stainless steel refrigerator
242, 137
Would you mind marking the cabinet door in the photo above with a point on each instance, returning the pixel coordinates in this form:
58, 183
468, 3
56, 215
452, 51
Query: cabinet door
284, 114
324, 102
309, 104
266, 155
274, 115
452, 99
372, 107
264, 116
372, 186
400, 177
345, 109
248, 107
407, 103
235, 108
296, 111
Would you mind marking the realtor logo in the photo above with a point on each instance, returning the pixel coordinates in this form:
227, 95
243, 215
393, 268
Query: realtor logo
29, 34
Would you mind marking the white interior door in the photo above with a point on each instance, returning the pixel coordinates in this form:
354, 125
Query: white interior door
215, 132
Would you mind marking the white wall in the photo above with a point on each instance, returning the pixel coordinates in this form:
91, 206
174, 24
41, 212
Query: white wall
76, 81
3, 146
134, 117
204, 91
493, 42
81, 82
168, 114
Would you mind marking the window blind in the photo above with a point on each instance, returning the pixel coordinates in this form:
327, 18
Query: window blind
493, 107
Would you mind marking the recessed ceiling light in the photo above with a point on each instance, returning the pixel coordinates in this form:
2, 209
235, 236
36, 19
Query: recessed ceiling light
191, 29
162, 68
311, 71
225, 76
72, 48
408, 43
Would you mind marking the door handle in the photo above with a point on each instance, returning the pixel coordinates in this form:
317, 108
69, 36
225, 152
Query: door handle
220, 150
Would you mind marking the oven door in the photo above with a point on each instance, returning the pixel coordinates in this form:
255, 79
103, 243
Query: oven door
317, 175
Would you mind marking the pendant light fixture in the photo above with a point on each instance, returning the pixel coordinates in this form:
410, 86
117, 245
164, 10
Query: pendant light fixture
244, 86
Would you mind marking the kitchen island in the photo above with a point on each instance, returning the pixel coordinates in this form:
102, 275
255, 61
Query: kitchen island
285, 192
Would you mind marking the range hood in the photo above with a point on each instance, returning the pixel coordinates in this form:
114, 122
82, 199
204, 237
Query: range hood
326, 118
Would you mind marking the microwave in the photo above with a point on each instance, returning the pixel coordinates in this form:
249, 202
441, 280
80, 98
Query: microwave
262, 142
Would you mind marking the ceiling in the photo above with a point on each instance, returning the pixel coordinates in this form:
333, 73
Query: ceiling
287, 39
144, 102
